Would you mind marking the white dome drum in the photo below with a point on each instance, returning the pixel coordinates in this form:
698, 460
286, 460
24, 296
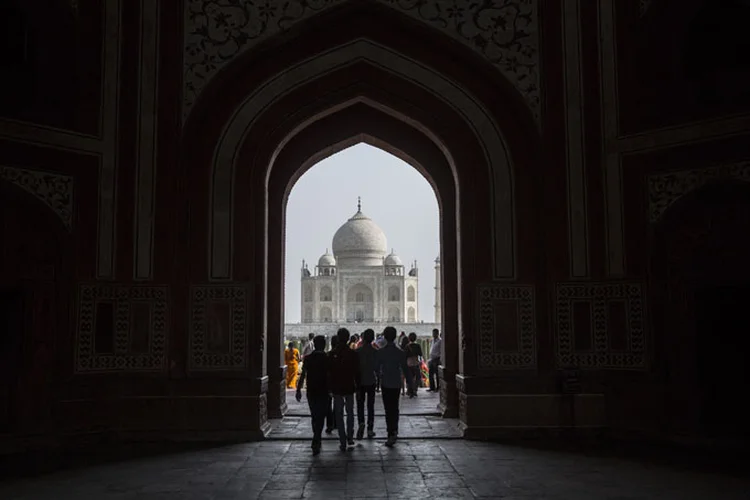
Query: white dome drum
359, 242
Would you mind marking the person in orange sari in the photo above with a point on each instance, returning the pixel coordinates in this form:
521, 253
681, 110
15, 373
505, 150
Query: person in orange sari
291, 360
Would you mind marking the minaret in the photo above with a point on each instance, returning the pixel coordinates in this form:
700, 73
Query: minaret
438, 310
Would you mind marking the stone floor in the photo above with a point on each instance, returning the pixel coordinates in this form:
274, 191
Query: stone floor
411, 470
419, 420
410, 427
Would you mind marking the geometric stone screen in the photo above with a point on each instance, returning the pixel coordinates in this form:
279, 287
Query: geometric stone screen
600, 326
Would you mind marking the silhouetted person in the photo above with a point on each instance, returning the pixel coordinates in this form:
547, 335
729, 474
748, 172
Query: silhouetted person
366, 389
331, 418
403, 343
413, 361
391, 363
434, 362
344, 378
315, 372
379, 343
309, 346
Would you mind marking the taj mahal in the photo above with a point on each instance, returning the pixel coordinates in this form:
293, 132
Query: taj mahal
359, 282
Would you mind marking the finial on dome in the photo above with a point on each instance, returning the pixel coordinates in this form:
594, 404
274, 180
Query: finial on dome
359, 204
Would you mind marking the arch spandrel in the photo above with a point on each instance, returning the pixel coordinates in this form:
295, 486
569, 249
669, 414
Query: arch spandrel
506, 35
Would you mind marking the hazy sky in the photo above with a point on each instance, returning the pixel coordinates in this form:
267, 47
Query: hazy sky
394, 195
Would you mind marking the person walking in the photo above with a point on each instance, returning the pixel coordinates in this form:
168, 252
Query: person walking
309, 346
343, 380
331, 418
391, 364
413, 361
434, 363
291, 360
315, 373
403, 343
379, 343
366, 390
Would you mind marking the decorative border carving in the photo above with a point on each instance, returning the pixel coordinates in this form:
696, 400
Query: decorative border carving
88, 361
504, 32
54, 190
263, 410
601, 356
664, 189
463, 403
489, 356
199, 358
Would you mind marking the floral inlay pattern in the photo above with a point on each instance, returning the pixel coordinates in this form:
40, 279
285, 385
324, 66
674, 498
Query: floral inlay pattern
502, 31
666, 188
54, 190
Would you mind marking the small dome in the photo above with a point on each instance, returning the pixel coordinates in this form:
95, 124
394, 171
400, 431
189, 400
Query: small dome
393, 260
327, 260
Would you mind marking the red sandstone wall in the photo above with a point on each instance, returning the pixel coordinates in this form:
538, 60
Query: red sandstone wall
165, 371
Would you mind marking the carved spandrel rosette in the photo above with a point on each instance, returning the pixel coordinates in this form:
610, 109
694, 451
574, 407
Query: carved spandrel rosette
664, 189
54, 190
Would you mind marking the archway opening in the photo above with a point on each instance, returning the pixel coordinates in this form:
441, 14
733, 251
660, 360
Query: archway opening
261, 130
700, 281
378, 218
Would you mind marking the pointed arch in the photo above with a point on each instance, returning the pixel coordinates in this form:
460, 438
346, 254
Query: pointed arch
258, 127
494, 149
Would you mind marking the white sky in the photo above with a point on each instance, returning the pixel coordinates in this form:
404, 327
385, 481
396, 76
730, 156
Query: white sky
394, 195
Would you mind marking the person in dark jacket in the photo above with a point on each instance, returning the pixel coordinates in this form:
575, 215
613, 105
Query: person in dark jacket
343, 380
330, 418
315, 372
403, 344
366, 354
391, 363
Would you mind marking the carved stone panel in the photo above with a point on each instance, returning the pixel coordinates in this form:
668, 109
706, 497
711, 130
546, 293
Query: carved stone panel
133, 344
218, 328
600, 326
665, 189
54, 190
507, 327
504, 32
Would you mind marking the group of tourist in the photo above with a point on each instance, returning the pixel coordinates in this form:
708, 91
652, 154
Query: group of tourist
361, 366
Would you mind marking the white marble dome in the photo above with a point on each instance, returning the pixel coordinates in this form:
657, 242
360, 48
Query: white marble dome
359, 242
327, 260
393, 260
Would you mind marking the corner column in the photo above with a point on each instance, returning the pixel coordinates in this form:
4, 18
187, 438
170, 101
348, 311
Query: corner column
449, 397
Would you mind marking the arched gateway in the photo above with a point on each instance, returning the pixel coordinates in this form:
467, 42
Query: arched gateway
274, 112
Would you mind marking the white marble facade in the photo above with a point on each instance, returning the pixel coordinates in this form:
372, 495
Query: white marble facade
358, 282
